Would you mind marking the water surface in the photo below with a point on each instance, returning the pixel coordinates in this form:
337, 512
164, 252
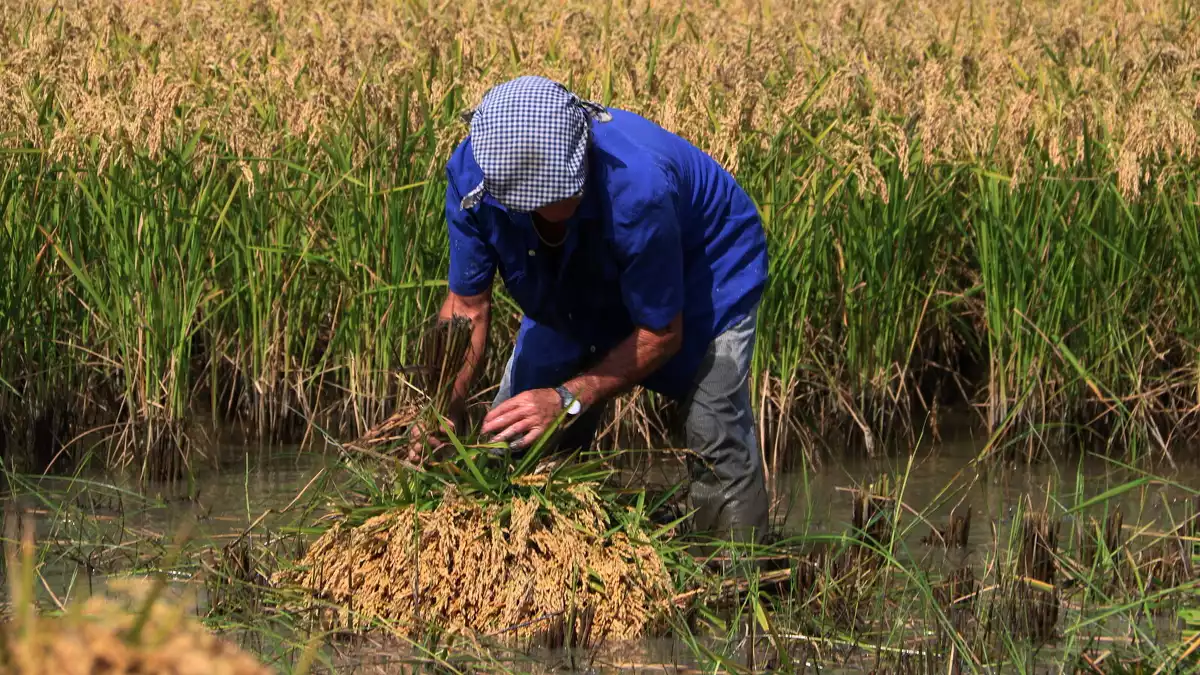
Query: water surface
103, 525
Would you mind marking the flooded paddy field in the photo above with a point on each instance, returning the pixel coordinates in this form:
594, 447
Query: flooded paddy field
1070, 561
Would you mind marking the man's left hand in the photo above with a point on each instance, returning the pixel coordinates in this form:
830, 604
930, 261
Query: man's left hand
526, 415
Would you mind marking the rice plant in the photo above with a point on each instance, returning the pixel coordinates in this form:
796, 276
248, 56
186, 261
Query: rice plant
236, 210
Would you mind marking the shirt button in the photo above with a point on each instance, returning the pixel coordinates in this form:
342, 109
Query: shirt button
593, 348
532, 253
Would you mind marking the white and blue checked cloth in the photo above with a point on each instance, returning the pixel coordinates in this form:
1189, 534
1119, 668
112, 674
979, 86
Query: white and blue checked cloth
529, 136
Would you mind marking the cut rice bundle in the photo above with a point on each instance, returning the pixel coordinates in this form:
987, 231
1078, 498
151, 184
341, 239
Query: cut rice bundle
505, 567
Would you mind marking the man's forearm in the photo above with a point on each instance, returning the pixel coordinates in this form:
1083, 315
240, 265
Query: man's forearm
479, 314
636, 357
472, 362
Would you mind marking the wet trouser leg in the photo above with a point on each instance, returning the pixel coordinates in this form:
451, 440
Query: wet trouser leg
728, 488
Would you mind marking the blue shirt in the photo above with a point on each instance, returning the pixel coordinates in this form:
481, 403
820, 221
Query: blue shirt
662, 229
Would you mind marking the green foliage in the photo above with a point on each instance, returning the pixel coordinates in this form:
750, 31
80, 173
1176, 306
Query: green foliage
286, 289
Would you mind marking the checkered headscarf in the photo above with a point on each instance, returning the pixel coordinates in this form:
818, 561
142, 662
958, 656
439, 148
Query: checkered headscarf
530, 137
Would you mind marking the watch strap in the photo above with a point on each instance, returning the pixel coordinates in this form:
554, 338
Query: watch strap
571, 404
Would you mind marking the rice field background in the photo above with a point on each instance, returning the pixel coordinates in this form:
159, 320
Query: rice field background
221, 229
235, 208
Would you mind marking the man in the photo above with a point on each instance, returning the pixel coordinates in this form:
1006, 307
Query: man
635, 258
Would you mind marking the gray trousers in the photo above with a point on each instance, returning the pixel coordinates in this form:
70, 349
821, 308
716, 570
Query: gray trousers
728, 491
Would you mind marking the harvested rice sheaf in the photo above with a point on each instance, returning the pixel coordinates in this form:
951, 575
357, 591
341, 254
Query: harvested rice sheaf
487, 568
98, 638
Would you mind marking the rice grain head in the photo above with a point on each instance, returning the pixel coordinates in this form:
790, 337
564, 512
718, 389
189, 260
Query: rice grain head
470, 568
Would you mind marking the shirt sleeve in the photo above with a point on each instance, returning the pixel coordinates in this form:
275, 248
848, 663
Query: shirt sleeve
472, 261
650, 246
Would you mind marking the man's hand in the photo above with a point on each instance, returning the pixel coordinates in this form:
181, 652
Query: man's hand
425, 442
528, 414
532, 412
476, 309
422, 443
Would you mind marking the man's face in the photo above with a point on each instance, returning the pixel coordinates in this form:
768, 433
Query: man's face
559, 211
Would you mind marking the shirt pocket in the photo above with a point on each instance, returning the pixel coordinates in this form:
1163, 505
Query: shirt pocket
592, 286
521, 283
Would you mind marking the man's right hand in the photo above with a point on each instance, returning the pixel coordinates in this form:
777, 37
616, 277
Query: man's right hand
476, 309
424, 443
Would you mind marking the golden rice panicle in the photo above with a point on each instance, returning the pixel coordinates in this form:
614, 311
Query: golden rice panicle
468, 568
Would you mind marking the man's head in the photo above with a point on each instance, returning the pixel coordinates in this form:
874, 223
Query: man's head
530, 137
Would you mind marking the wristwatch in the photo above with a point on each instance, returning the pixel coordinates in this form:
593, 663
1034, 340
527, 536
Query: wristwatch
569, 402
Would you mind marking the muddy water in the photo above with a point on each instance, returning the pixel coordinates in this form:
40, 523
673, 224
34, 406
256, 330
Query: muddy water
103, 525
936, 480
